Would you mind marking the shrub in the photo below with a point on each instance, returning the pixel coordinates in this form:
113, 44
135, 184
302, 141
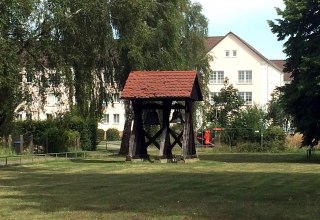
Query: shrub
56, 139
72, 137
113, 134
100, 135
274, 138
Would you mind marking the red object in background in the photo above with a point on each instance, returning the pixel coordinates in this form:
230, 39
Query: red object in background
207, 137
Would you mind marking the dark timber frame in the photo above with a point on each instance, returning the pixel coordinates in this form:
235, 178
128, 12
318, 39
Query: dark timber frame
163, 104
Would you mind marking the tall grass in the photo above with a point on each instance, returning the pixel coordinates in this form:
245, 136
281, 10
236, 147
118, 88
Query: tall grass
6, 151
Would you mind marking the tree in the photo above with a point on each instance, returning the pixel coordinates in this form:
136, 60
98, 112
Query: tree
226, 105
299, 27
276, 112
15, 30
248, 124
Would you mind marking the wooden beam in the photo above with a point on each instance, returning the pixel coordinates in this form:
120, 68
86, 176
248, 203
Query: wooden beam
137, 146
152, 140
165, 150
188, 144
176, 138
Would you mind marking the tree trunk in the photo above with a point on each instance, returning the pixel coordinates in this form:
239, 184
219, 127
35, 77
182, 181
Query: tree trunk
125, 140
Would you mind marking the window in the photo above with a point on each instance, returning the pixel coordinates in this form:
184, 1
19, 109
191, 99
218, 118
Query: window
52, 100
105, 119
19, 117
20, 78
116, 118
234, 53
49, 116
245, 77
54, 79
28, 116
227, 53
216, 77
212, 95
29, 77
246, 97
116, 98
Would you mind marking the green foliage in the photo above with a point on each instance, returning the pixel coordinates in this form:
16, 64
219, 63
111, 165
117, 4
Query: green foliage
226, 105
56, 139
6, 151
67, 129
274, 138
78, 123
276, 111
299, 25
72, 138
247, 124
113, 134
100, 135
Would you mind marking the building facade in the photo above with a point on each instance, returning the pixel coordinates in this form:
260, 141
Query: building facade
246, 69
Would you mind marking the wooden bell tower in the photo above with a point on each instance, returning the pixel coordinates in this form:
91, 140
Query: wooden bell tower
164, 92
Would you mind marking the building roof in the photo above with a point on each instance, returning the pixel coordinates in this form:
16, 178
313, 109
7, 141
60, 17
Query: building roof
211, 42
158, 85
280, 64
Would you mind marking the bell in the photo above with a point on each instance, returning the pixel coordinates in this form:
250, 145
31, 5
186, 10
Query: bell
152, 118
176, 117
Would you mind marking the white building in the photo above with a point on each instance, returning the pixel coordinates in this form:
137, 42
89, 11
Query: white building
43, 103
247, 70
113, 115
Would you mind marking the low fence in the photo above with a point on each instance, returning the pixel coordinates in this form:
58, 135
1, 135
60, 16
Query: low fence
37, 158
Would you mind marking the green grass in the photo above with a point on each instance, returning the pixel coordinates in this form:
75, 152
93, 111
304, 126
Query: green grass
219, 186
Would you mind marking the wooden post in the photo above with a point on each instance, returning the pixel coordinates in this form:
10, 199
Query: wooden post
10, 141
47, 144
21, 144
188, 144
4, 142
31, 145
165, 149
137, 145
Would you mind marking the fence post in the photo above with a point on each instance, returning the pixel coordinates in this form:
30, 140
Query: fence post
77, 143
47, 144
10, 141
21, 143
4, 142
31, 145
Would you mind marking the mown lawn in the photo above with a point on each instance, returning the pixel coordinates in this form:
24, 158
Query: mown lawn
219, 186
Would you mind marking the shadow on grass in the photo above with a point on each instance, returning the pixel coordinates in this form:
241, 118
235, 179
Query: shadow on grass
96, 161
261, 158
161, 194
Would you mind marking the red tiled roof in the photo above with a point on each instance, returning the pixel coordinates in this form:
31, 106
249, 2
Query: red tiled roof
162, 85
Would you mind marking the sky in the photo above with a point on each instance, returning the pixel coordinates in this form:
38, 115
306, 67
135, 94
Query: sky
248, 20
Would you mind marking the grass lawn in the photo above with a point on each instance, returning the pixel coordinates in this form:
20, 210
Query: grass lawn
219, 186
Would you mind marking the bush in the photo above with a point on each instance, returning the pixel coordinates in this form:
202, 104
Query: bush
274, 138
72, 138
100, 135
113, 134
56, 139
